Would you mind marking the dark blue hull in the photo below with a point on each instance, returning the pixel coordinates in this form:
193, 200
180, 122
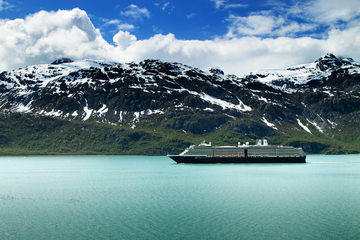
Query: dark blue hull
204, 159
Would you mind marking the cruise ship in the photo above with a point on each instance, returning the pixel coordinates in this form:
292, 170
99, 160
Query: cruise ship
262, 152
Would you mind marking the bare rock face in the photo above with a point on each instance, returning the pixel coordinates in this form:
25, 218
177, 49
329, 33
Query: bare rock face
329, 61
62, 60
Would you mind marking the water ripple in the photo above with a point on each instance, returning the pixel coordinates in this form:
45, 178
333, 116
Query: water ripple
152, 198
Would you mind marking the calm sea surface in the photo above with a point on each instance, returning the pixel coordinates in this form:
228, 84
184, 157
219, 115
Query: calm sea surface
119, 197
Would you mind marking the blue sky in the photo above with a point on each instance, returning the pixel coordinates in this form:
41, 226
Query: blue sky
237, 36
186, 19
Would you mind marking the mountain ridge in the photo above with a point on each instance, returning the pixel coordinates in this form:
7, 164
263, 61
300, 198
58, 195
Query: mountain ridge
320, 98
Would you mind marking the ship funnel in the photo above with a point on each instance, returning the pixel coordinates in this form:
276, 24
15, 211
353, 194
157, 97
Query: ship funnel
259, 142
265, 142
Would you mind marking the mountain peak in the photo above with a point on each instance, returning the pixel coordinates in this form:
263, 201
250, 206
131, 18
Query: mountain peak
62, 60
217, 70
329, 61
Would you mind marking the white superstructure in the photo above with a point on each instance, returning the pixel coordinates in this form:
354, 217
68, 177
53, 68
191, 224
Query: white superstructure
261, 149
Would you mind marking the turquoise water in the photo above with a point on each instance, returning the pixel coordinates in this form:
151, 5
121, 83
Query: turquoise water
118, 197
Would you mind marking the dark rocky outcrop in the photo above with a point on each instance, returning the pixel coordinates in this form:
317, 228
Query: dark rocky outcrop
62, 60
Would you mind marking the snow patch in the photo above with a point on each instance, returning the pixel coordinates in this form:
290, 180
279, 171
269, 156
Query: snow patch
216, 101
316, 126
135, 120
88, 113
156, 111
22, 108
102, 110
53, 113
298, 75
333, 124
263, 99
329, 93
303, 126
354, 71
121, 116
269, 124
232, 117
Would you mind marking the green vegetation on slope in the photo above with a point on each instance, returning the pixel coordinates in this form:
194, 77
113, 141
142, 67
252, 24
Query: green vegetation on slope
25, 134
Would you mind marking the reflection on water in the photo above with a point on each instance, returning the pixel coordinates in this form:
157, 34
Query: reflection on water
102, 197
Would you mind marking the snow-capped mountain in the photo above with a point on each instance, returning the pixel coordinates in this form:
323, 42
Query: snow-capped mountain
324, 93
300, 75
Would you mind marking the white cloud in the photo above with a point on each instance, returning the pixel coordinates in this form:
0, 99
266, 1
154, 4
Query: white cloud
325, 13
124, 39
46, 36
43, 36
294, 19
191, 15
4, 5
253, 25
237, 5
265, 24
120, 26
218, 3
135, 12
156, 30
333, 11
221, 3
111, 22
165, 5
294, 28
242, 55
126, 26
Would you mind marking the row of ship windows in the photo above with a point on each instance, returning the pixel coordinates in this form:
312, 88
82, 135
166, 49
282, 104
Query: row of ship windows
240, 155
